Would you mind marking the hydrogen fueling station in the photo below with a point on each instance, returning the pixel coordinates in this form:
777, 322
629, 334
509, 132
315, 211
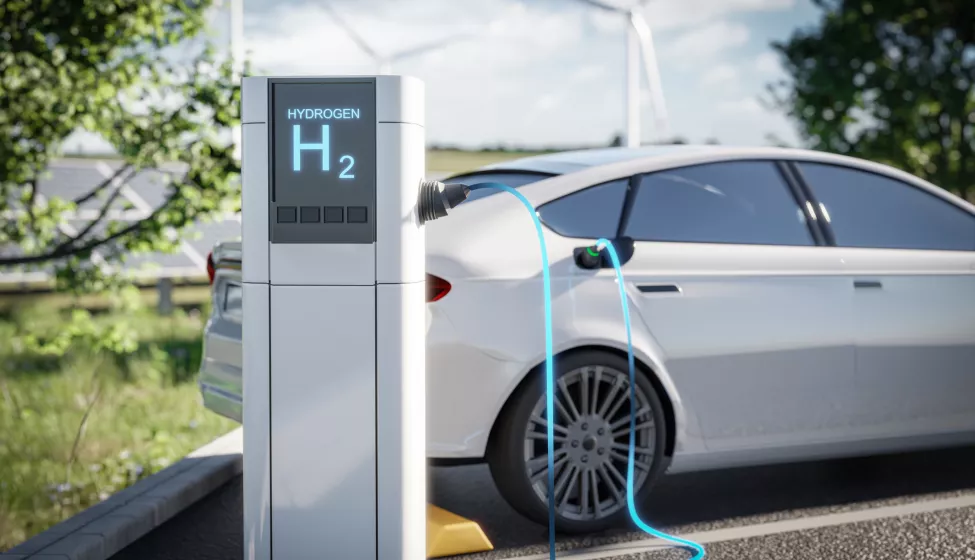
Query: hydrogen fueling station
406, 366
334, 296
334, 201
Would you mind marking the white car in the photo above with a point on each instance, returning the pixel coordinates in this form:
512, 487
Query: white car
786, 305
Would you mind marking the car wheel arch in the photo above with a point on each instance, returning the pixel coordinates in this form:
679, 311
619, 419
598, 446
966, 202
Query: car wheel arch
668, 398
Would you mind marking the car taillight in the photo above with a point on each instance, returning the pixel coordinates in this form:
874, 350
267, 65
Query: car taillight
210, 268
437, 288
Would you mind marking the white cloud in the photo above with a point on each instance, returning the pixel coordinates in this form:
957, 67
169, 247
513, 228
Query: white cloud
741, 107
606, 22
746, 122
305, 38
547, 102
550, 72
705, 42
673, 14
588, 73
768, 63
670, 15
722, 74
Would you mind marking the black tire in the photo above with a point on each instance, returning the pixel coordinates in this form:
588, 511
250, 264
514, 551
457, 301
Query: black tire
509, 448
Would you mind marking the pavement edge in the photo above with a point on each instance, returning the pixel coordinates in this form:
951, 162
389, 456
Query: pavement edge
104, 529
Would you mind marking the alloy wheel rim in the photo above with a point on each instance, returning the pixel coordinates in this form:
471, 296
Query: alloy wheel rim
592, 429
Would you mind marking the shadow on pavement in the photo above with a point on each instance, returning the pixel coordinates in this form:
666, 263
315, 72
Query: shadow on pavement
212, 528
706, 498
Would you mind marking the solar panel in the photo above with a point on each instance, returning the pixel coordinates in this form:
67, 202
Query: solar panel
146, 190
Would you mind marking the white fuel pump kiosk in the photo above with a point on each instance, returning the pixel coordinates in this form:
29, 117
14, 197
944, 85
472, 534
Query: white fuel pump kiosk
334, 331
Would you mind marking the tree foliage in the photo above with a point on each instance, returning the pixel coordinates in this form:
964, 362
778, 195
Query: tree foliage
142, 74
891, 81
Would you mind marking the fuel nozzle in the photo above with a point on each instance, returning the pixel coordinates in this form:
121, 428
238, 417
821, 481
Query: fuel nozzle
597, 256
436, 199
589, 258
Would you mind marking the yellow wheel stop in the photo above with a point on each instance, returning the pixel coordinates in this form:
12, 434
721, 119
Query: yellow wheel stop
449, 534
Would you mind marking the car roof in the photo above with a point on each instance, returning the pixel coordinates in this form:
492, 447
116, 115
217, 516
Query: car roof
558, 163
593, 166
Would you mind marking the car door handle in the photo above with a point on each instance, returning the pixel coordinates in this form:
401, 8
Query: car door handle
659, 288
875, 284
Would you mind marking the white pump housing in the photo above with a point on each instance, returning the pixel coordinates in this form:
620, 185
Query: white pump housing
334, 330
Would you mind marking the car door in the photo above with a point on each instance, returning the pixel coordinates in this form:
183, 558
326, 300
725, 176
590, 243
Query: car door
750, 309
911, 259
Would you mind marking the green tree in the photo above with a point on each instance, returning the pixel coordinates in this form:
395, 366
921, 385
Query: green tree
142, 74
888, 80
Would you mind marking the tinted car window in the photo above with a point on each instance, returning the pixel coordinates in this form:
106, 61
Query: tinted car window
869, 210
591, 213
730, 202
512, 179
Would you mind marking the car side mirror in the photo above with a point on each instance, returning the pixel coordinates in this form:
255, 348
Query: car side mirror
592, 257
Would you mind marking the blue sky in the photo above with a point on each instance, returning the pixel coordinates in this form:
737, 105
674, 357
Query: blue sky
545, 71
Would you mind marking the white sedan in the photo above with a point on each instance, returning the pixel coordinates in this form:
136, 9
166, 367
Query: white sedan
786, 305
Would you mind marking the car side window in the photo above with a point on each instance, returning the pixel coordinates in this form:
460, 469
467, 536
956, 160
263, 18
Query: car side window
746, 202
591, 213
869, 210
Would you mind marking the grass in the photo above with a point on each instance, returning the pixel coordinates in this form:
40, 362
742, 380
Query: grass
457, 161
76, 428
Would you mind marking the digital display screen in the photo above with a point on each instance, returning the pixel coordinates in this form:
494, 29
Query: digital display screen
323, 163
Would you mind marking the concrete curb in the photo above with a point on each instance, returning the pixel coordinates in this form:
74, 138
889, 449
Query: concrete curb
104, 529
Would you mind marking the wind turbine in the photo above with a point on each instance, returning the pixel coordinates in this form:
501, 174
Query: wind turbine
385, 62
639, 41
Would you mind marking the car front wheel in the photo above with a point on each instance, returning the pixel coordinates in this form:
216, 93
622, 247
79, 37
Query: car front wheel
592, 428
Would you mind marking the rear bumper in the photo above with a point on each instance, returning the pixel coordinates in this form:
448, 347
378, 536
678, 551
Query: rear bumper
220, 386
222, 402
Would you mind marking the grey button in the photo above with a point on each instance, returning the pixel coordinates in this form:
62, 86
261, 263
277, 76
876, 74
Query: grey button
357, 215
310, 215
334, 214
287, 214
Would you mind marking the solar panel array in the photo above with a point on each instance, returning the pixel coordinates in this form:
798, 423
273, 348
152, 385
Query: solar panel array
71, 179
141, 194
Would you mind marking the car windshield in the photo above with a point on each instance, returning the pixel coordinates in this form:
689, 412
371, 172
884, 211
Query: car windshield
513, 179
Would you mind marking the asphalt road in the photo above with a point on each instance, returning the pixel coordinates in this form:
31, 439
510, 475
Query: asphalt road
911, 506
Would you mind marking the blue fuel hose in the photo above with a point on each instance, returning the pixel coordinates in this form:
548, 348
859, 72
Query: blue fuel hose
550, 382
630, 501
549, 369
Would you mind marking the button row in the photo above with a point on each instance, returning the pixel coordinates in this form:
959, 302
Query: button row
313, 214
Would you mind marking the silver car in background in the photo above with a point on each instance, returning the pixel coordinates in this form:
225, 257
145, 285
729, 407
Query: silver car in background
221, 371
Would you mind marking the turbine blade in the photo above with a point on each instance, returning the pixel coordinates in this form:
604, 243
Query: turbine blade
658, 101
603, 6
455, 38
356, 38
434, 45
